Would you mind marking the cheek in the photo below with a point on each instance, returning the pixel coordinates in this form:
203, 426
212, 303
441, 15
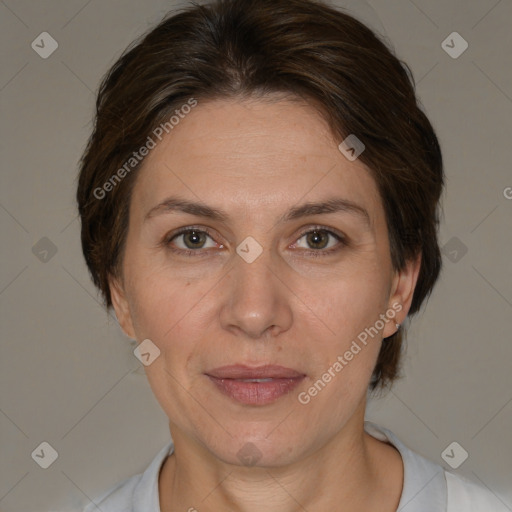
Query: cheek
349, 301
154, 306
170, 311
350, 348
350, 307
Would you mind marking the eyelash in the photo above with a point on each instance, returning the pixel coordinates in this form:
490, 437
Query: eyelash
166, 242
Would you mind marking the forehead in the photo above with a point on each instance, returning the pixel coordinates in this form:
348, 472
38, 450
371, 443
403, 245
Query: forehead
241, 154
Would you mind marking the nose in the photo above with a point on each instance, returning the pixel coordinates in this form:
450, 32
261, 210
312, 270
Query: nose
256, 300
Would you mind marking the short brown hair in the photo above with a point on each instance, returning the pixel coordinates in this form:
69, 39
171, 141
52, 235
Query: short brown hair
242, 48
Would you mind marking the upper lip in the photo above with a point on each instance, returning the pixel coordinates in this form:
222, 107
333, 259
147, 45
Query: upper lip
240, 371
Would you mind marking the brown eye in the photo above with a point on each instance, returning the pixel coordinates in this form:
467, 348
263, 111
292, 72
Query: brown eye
317, 239
194, 239
189, 241
322, 242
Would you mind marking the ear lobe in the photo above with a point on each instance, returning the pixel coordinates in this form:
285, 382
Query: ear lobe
404, 284
121, 307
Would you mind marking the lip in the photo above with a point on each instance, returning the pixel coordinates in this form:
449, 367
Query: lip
241, 371
233, 381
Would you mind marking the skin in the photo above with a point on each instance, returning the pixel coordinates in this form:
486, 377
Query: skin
255, 159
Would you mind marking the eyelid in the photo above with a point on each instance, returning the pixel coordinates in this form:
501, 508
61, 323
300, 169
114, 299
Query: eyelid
327, 229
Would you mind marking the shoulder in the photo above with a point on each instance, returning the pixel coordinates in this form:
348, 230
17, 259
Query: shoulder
138, 493
464, 494
428, 487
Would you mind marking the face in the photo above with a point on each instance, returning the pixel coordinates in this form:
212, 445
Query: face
251, 299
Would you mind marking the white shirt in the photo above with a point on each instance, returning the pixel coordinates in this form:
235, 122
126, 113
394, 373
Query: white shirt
427, 486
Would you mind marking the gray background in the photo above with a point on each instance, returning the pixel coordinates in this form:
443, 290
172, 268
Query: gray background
68, 375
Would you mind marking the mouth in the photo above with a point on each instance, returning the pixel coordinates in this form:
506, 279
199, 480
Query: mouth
255, 385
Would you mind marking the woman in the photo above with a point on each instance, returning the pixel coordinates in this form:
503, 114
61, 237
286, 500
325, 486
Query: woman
259, 204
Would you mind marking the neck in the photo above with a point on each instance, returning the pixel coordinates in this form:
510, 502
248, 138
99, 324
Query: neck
353, 471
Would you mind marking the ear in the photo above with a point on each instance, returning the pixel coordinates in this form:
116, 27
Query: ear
402, 292
121, 307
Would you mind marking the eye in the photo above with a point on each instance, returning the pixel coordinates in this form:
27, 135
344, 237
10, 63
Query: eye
189, 241
319, 239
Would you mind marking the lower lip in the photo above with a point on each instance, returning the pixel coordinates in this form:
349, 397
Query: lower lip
256, 393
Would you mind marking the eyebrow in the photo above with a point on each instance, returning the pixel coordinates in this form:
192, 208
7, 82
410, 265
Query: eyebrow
332, 205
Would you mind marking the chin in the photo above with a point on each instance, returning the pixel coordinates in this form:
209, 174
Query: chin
253, 447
